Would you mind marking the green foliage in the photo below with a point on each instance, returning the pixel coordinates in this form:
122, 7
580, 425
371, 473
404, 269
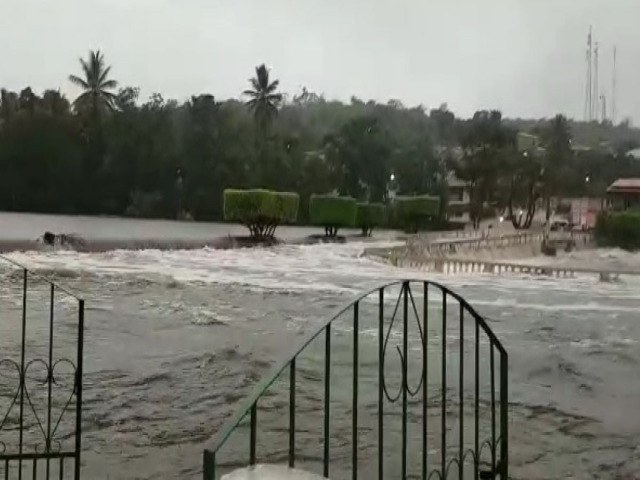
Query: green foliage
361, 149
412, 213
332, 212
370, 216
619, 229
115, 153
260, 210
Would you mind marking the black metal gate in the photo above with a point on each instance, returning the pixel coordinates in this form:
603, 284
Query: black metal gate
41, 350
407, 381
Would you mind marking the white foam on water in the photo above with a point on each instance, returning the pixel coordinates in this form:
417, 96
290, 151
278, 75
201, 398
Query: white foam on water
336, 268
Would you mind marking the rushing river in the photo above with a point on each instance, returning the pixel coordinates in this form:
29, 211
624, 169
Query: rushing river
175, 339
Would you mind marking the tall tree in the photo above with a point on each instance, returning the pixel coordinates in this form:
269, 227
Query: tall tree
557, 142
264, 98
54, 103
93, 104
97, 96
361, 151
485, 143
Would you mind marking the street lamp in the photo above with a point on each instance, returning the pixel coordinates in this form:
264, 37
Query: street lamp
179, 187
391, 187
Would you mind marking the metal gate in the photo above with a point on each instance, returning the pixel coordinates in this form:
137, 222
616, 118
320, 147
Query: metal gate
41, 350
407, 381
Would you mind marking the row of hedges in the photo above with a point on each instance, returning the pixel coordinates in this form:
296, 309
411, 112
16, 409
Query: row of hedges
619, 229
262, 211
333, 213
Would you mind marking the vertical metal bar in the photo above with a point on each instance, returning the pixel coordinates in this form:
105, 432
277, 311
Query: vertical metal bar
292, 413
22, 360
425, 364
380, 384
493, 411
443, 440
35, 469
209, 470
252, 441
461, 396
504, 417
327, 398
50, 379
61, 468
405, 361
6, 469
80, 360
476, 438
354, 407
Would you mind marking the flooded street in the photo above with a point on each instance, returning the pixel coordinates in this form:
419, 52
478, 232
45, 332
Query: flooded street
174, 340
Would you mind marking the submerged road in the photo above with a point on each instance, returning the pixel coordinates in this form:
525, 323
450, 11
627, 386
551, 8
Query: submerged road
174, 341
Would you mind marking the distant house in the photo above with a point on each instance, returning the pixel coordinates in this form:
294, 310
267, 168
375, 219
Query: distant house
635, 153
624, 193
529, 144
584, 211
527, 141
458, 200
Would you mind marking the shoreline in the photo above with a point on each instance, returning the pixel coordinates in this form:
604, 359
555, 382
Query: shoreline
219, 243
24, 231
504, 250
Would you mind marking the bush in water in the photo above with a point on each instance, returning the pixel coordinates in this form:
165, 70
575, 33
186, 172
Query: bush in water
261, 211
619, 229
332, 212
370, 216
412, 212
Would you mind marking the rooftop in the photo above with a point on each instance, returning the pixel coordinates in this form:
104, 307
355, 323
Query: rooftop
625, 185
635, 153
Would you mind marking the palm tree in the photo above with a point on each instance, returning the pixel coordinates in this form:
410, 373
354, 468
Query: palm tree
264, 100
97, 96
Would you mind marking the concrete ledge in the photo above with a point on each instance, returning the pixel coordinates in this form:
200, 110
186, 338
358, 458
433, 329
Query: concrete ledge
271, 472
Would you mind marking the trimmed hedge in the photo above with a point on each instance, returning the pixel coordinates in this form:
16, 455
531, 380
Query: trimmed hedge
618, 229
413, 212
370, 216
261, 211
332, 212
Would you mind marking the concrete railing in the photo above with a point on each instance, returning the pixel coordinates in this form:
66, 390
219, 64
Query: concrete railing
447, 247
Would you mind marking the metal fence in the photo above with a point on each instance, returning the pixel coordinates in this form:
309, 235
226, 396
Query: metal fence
407, 381
41, 342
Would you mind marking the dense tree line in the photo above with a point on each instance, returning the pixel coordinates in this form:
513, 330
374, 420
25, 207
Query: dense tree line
110, 152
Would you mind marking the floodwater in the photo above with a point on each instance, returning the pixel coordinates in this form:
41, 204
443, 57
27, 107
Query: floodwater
175, 339
30, 226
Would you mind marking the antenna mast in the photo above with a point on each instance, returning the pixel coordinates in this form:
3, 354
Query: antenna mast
615, 87
596, 93
588, 99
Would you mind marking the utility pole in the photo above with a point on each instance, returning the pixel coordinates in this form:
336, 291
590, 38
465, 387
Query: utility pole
603, 99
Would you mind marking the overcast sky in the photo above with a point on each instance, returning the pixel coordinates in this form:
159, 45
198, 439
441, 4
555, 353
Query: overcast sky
525, 57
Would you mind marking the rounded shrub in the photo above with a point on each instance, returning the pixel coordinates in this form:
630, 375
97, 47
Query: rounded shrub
332, 212
411, 213
370, 216
261, 211
618, 229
